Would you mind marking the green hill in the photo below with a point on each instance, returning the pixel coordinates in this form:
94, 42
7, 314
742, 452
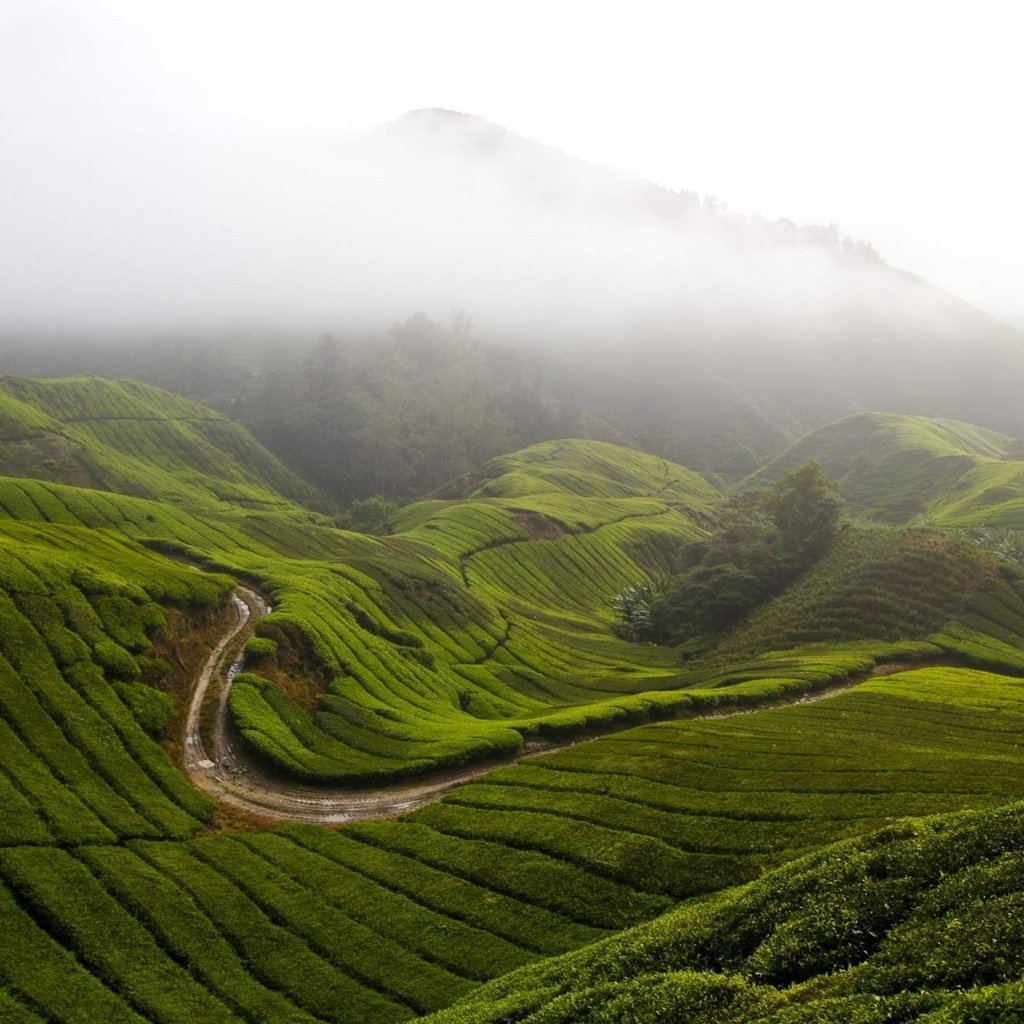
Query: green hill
585, 469
134, 439
876, 582
435, 652
894, 468
420, 649
917, 922
480, 623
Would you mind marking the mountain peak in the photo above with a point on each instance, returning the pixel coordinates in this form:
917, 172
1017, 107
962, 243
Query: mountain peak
454, 129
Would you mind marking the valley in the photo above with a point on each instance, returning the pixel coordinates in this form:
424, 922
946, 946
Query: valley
231, 775
511, 515
541, 819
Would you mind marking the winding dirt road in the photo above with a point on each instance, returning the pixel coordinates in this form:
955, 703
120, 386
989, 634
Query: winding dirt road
228, 774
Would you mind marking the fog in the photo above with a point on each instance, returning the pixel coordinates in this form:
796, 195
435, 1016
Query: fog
138, 200
432, 212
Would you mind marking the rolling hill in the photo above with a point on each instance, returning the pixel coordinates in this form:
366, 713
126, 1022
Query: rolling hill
476, 629
900, 925
897, 468
137, 440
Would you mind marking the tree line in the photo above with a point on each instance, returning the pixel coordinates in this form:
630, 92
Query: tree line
766, 538
400, 417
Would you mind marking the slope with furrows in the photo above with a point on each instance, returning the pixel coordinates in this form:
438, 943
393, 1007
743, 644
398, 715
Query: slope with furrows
131, 438
423, 648
918, 922
897, 469
478, 616
481, 620
878, 582
894, 467
386, 920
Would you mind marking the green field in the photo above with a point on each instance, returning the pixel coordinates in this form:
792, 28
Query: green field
918, 921
784, 864
899, 469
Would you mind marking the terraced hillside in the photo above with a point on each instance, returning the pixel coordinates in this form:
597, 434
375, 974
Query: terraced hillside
76, 611
894, 468
135, 439
425, 649
919, 921
384, 920
481, 624
877, 582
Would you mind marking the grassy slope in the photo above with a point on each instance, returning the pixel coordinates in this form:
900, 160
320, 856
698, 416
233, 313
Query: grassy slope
876, 582
381, 921
892, 468
919, 921
426, 647
77, 609
131, 438
112, 912
522, 567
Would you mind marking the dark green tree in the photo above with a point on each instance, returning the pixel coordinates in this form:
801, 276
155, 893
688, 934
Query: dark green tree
766, 538
806, 509
324, 367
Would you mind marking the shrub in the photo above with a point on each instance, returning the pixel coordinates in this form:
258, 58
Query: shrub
153, 670
260, 648
371, 514
152, 708
117, 662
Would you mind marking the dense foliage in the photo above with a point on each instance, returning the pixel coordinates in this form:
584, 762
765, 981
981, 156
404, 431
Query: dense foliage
402, 417
766, 539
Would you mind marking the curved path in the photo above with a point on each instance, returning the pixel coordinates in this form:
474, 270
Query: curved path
228, 774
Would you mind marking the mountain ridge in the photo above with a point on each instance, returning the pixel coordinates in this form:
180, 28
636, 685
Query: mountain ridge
582, 272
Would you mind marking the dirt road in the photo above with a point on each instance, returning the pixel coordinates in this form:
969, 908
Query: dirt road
227, 773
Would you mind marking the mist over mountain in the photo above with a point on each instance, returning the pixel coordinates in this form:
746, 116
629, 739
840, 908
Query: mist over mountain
433, 211
626, 298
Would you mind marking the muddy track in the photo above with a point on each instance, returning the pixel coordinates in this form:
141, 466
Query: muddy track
216, 762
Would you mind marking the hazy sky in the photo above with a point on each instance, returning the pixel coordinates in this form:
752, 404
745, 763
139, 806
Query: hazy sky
899, 120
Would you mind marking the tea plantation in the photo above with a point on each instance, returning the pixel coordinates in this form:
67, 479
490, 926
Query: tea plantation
896, 469
480, 627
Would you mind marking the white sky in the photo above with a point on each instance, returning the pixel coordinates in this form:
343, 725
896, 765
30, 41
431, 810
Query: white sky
901, 120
